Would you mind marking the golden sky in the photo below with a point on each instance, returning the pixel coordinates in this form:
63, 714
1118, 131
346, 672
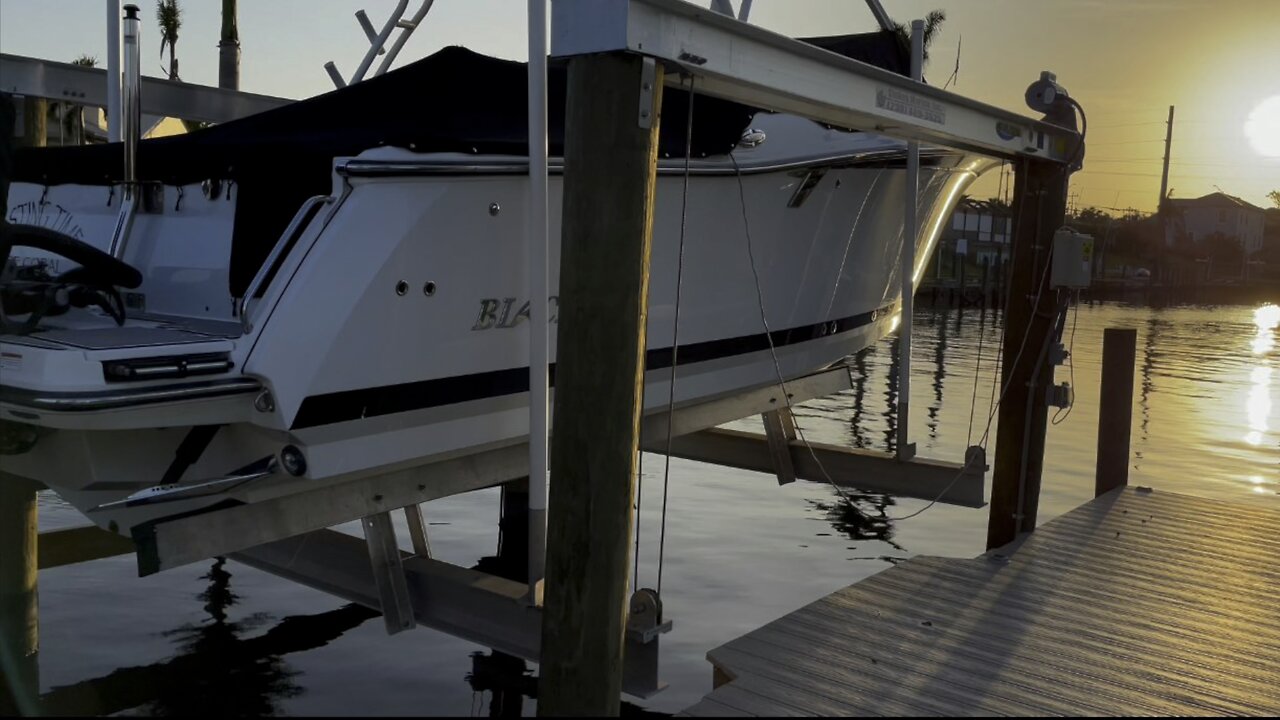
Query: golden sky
1126, 61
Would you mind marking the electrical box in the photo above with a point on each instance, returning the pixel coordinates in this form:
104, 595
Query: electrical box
1072, 259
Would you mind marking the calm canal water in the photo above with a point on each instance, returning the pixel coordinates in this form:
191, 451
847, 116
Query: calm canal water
225, 639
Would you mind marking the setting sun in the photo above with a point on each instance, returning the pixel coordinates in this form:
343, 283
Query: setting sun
1263, 127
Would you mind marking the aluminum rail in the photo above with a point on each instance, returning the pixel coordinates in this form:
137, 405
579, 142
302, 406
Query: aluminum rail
748, 64
539, 253
21, 75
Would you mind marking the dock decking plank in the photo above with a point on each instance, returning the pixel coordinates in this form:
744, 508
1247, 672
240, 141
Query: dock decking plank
1139, 602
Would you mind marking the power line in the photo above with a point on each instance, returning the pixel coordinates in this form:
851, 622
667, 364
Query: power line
1179, 174
1126, 142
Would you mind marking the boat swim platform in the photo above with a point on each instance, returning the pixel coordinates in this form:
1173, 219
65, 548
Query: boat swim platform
1139, 602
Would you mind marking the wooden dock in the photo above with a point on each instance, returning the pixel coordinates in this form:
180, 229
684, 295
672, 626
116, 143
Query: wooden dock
1138, 603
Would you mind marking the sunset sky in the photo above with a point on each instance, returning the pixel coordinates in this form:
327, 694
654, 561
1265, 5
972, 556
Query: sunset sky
1126, 61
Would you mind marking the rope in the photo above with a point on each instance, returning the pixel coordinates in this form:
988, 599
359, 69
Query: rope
675, 332
1062, 414
764, 321
635, 574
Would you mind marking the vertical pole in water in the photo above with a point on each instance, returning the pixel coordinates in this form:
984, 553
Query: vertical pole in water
611, 156
538, 300
1115, 416
1040, 204
907, 450
19, 603
113, 71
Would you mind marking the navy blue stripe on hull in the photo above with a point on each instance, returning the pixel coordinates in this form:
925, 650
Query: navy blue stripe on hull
347, 405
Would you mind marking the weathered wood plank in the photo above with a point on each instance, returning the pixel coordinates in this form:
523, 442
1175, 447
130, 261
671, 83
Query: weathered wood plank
1136, 603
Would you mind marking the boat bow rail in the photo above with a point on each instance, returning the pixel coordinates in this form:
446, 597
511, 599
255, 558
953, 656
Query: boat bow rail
753, 66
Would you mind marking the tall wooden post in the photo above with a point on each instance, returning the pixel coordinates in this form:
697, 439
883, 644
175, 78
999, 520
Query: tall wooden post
35, 122
1115, 412
1040, 205
611, 135
19, 605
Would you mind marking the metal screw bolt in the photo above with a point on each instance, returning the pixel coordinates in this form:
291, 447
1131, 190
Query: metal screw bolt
494, 208
429, 289
264, 402
402, 287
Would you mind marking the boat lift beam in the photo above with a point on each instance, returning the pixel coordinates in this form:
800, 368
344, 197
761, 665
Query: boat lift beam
748, 64
171, 542
65, 82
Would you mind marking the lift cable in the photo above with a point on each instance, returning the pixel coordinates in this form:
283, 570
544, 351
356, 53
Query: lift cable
675, 330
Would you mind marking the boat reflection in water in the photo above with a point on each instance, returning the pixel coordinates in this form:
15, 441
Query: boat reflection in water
218, 670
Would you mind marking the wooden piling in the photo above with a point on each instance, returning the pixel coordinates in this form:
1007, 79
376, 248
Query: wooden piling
1115, 411
1040, 193
611, 136
35, 122
19, 603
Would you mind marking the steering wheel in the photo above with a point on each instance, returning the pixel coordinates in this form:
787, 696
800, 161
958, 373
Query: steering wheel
94, 282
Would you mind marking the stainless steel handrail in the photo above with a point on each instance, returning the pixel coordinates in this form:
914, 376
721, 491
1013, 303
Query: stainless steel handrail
242, 303
124, 397
520, 166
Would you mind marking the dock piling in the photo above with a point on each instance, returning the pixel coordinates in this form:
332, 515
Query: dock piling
1115, 415
19, 600
611, 153
1040, 192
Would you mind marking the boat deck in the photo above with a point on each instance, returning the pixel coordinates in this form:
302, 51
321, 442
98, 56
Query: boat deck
1137, 603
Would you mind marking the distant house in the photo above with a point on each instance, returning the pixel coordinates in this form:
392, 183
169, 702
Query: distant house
1195, 220
980, 229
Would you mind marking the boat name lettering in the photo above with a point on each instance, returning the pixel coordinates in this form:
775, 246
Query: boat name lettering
47, 215
917, 106
502, 313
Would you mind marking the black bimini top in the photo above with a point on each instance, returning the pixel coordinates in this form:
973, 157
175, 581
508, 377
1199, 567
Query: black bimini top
453, 101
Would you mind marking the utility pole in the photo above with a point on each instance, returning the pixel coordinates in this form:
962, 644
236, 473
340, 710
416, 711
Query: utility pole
1164, 176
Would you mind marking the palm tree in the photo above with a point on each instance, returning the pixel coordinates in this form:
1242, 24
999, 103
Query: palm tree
932, 28
229, 48
169, 17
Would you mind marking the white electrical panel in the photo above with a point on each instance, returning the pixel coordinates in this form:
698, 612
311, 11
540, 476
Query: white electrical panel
1072, 259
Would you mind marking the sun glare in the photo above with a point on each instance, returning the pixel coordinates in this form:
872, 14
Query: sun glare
1263, 127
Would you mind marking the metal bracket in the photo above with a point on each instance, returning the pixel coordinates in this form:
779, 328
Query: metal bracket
417, 531
640, 644
648, 78
388, 572
780, 430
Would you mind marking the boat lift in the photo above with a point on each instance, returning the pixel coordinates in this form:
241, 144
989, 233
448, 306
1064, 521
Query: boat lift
289, 536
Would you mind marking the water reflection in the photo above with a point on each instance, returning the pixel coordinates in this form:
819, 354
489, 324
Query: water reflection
218, 671
939, 371
856, 421
861, 517
891, 398
1258, 404
1267, 318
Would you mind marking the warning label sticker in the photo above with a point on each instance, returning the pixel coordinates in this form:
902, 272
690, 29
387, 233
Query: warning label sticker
916, 106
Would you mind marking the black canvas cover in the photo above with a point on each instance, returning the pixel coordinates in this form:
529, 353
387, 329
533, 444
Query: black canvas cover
453, 101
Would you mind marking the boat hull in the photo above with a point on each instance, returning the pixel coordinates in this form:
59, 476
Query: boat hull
394, 326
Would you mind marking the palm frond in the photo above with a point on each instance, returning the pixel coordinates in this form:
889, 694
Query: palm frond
169, 18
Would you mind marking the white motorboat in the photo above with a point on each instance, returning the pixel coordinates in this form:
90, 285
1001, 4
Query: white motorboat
338, 286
